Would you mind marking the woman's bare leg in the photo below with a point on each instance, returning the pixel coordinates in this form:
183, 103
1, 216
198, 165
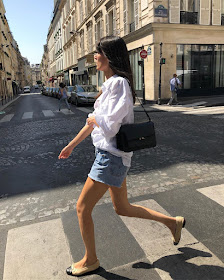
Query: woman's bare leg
124, 208
90, 195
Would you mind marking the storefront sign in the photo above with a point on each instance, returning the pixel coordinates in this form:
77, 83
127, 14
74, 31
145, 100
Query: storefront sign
149, 50
161, 11
143, 54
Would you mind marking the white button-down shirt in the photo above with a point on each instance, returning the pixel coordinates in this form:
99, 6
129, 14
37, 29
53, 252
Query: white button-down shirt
113, 108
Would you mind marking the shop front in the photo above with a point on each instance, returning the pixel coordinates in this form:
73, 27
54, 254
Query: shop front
200, 69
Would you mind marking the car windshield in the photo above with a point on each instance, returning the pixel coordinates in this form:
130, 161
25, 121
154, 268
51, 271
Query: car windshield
70, 89
89, 88
80, 89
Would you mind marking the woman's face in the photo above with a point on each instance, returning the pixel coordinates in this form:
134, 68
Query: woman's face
102, 63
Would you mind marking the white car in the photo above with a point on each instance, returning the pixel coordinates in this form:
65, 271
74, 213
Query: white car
36, 86
26, 89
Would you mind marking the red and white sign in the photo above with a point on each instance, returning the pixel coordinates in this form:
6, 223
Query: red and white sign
143, 54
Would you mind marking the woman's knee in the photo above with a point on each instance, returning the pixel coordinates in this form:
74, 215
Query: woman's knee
122, 210
82, 209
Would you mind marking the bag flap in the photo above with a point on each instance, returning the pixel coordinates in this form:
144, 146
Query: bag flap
137, 130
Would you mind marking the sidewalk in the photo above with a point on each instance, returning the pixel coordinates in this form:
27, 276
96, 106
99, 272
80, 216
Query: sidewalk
186, 102
2, 107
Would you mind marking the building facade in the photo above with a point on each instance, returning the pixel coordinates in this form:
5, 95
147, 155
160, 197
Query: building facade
11, 62
187, 34
36, 74
44, 67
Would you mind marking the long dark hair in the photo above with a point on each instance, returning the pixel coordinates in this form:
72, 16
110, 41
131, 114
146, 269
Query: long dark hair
115, 49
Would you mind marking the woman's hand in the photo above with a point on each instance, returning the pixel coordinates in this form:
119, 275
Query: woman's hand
91, 121
66, 152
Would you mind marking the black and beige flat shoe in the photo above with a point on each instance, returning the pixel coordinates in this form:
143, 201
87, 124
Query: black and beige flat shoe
180, 222
71, 270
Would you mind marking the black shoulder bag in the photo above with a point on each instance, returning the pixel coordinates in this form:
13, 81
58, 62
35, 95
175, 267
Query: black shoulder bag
136, 136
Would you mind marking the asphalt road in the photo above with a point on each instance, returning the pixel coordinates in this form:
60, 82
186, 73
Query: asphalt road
183, 175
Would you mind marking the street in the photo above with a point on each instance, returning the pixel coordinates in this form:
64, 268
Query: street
182, 176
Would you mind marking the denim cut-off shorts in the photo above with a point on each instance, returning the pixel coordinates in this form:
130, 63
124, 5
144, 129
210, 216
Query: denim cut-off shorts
108, 169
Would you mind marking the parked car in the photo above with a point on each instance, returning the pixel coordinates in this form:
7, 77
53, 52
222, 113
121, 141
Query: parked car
43, 90
69, 92
54, 93
50, 91
84, 94
57, 93
26, 89
36, 86
46, 91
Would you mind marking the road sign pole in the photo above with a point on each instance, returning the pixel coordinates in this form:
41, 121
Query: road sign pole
160, 73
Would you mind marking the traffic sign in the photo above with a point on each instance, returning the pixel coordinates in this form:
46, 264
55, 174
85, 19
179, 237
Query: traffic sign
143, 54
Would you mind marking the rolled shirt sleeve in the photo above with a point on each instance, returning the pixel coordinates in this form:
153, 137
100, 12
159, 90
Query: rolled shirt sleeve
119, 101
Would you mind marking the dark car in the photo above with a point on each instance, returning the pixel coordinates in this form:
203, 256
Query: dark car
84, 94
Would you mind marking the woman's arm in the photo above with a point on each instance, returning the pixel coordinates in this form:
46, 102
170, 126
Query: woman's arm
83, 133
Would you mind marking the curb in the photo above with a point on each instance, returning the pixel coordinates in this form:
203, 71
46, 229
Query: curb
9, 103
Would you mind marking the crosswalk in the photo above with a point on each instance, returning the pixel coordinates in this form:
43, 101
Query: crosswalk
46, 113
214, 112
47, 248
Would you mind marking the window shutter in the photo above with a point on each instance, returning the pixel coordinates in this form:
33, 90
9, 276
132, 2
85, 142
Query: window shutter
95, 3
107, 24
96, 35
205, 12
136, 13
125, 7
114, 21
174, 11
86, 10
144, 4
101, 28
216, 12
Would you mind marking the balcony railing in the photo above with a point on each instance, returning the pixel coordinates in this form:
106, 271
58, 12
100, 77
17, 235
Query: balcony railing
132, 26
188, 17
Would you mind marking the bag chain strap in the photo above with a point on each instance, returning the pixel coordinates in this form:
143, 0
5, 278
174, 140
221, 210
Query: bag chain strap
143, 108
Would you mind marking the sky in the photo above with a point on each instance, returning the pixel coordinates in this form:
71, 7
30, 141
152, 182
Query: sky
29, 21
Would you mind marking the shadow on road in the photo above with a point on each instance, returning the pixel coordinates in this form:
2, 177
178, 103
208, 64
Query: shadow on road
178, 266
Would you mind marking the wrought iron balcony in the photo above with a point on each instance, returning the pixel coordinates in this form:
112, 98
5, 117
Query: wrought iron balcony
188, 17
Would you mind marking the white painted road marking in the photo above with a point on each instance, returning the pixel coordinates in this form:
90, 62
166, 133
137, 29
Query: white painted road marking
27, 115
215, 193
48, 113
66, 112
155, 239
7, 118
37, 251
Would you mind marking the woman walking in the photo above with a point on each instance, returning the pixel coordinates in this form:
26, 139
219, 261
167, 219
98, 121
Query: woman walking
63, 96
109, 170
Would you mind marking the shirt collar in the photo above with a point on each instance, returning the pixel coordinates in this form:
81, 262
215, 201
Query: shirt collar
107, 82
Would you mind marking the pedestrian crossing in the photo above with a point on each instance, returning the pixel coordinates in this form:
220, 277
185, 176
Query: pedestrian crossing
214, 112
45, 113
45, 248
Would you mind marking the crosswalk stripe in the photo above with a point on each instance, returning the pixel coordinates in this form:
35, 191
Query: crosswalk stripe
85, 110
44, 252
216, 193
66, 112
7, 118
27, 115
155, 240
206, 111
48, 113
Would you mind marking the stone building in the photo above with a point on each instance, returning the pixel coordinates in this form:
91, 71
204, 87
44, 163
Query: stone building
36, 74
11, 62
27, 72
187, 34
44, 66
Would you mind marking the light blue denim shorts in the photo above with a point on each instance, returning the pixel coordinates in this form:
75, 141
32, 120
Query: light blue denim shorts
108, 169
